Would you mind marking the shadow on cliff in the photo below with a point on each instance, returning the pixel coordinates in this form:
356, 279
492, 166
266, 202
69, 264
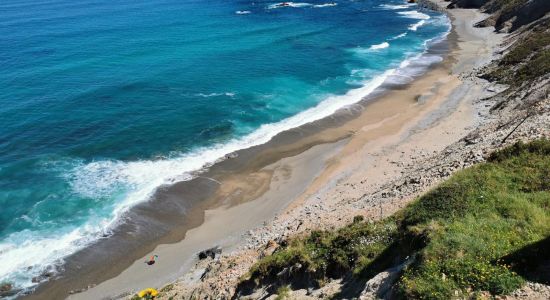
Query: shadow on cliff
532, 262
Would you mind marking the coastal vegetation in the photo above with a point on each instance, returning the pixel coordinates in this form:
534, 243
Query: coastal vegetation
527, 59
484, 230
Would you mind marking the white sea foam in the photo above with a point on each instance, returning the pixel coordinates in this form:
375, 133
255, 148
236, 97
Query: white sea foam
300, 4
373, 48
243, 12
228, 94
396, 7
413, 14
415, 26
399, 36
325, 5
412, 68
440, 21
289, 4
27, 254
379, 46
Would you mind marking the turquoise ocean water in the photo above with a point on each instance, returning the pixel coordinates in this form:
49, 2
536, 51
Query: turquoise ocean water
103, 101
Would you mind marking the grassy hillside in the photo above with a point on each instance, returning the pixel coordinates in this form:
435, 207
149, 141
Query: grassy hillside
487, 228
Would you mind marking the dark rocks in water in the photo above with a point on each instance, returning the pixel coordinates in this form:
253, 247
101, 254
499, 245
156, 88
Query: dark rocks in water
44, 276
231, 155
7, 290
5, 287
211, 252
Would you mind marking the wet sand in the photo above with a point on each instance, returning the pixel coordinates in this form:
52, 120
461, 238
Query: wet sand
328, 157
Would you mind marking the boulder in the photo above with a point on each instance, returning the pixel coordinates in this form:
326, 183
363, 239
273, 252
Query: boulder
270, 247
46, 275
380, 286
211, 252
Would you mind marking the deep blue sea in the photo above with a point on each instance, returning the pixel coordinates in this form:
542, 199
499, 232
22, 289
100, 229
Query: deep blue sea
103, 101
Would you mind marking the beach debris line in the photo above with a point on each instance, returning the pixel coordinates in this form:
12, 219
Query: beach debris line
152, 260
210, 252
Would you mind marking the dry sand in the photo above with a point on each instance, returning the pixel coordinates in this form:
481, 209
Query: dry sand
325, 185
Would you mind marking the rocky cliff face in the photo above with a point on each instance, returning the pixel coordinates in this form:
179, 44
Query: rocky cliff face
467, 3
512, 17
524, 65
507, 15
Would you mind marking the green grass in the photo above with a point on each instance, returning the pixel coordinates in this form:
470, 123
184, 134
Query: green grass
328, 254
533, 43
465, 233
282, 292
486, 212
538, 66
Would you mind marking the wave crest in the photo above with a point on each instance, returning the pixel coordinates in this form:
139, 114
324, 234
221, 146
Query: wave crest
325, 5
415, 26
396, 7
289, 4
300, 4
379, 46
414, 14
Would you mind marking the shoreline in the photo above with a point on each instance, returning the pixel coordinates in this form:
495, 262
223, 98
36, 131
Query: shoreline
390, 122
245, 178
190, 215
375, 175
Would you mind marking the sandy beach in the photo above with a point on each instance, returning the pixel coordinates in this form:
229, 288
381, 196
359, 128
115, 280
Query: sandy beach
317, 176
